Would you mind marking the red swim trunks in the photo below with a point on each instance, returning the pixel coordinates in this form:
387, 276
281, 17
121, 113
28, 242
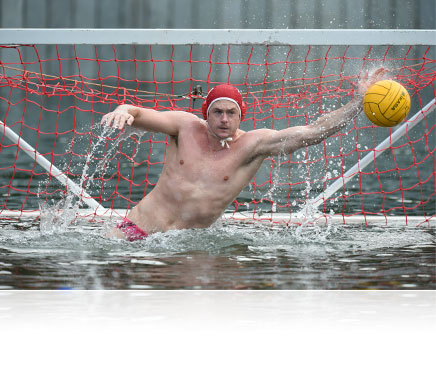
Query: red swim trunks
131, 231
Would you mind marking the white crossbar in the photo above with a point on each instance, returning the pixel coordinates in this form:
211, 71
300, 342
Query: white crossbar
11, 36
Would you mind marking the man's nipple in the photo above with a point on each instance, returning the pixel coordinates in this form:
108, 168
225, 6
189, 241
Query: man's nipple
226, 178
182, 162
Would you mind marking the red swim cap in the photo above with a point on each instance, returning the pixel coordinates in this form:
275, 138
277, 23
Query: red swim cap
224, 92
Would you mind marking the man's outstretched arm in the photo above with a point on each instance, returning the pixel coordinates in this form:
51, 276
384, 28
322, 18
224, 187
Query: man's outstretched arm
167, 122
294, 138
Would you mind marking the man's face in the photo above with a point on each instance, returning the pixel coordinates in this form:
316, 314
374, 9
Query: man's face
223, 118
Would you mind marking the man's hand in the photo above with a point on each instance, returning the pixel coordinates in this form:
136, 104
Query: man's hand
366, 82
118, 118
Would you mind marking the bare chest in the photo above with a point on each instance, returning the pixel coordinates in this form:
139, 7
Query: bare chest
206, 165
195, 160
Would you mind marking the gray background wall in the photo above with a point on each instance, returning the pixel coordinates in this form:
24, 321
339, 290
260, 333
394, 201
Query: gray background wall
218, 13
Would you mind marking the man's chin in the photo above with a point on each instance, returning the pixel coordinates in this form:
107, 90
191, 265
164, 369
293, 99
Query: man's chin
223, 133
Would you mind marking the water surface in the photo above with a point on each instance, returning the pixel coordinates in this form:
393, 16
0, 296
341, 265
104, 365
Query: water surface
227, 256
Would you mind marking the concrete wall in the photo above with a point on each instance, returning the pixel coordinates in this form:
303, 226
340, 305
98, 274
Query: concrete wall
218, 13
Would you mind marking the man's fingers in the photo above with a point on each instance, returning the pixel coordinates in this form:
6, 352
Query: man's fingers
117, 120
378, 74
365, 82
107, 119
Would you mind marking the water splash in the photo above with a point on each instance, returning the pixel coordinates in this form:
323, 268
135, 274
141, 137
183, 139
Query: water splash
107, 131
308, 215
275, 178
57, 217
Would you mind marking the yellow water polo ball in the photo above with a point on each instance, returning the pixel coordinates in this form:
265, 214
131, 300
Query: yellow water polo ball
386, 103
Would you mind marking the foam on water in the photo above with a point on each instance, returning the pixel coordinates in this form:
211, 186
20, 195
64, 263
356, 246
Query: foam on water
214, 239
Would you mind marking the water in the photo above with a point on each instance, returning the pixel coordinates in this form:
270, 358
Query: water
227, 256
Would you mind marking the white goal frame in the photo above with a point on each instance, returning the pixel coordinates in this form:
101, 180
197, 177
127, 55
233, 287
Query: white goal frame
354, 37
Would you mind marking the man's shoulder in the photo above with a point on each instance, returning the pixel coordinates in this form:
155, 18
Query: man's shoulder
183, 115
184, 120
189, 122
253, 143
257, 134
187, 117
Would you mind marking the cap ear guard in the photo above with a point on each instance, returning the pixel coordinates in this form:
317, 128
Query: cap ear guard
243, 109
204, 109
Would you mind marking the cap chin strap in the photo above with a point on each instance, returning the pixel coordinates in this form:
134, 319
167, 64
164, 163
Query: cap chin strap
225, 142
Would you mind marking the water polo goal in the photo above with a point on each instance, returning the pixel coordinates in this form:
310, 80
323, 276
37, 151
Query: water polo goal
55, 85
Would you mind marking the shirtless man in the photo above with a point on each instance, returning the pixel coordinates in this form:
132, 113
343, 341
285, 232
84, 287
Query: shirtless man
210, 161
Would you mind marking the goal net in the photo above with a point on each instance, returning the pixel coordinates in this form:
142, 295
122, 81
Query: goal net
55, 85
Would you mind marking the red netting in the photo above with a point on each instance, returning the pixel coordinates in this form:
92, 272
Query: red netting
54, 96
